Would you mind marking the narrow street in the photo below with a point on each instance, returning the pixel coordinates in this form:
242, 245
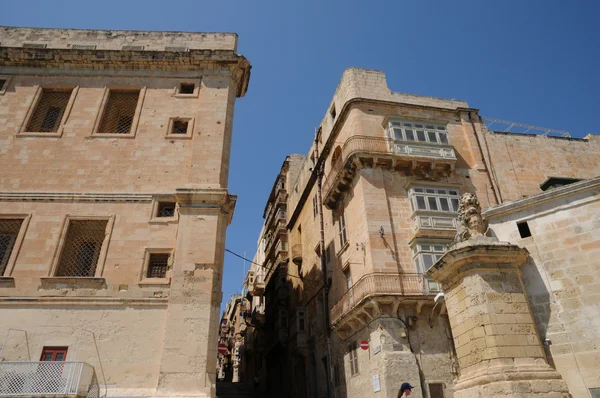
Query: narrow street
234, 390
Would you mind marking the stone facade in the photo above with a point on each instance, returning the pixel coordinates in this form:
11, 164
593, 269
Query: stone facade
140, 303
393, 168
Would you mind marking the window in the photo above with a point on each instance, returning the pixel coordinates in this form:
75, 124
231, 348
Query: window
352, 350
401, 130
119, 112
524, 230
165, 209
342, 230
56, 354
595, 392
49, 111
81, 249
427, 253
332, 111
9, 231
187, 88
436, 390
348, 279
158, 265
315, 206
434, 199
301, 317
179, 127
2, 83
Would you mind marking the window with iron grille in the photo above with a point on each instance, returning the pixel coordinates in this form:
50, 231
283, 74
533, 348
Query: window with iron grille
315, 206
9, 230
119, 112
165, 209
49, 111
436, 390
353, 351
158, 265
434, 199
410, 130
187, 88
179, 126
81, 250
342, 230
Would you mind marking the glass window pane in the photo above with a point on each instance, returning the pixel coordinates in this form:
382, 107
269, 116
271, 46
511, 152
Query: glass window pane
410, 136
455, 193
430, 190
408, 124
47, 356
445, 206
60, 356
427, 261
419, 126
454, 204
432, 137
418, 189
430, 127
421, 135
438, 256
441, 128
421, 203
398, 134
443, 138
395, 123
438, 248
418, 264
441, 192
425, 248
432, 204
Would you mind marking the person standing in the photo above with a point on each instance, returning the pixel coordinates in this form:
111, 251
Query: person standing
405, 390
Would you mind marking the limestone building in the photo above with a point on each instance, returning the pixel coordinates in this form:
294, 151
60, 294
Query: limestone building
114, 163
394, 167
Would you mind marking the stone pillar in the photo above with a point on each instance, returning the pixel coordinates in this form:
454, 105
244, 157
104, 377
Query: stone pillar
499, 350
189, 353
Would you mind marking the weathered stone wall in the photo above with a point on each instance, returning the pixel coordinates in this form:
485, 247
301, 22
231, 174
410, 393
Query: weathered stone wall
116, 39
562, 278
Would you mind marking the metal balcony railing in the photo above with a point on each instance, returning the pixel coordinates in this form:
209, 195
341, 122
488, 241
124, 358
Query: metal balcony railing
378, 284
19, 379
385, 146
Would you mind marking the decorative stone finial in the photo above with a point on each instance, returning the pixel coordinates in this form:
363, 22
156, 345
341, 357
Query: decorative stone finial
470, 222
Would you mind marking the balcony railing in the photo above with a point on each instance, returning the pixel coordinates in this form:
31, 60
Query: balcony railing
378, 284
386, 146
48, 379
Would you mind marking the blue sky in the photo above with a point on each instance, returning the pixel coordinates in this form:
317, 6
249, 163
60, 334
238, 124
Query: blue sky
533, 62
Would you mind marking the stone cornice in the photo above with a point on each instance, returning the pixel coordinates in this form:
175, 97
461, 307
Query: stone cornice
538, 199
206, 198
76, 197
100, 60
83, 301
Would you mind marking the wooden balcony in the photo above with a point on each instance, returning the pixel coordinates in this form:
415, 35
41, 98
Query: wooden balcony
378, 293
429, 161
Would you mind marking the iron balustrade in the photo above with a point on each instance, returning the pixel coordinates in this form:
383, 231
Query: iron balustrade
384, 146
48, 378
378, 284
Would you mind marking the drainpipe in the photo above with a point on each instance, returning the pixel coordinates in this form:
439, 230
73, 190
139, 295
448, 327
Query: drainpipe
326, 280
487, 169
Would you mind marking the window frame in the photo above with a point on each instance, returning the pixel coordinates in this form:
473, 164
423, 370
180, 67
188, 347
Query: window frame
156, 201
144, 279
189, 132
419, 251
342, 231
104, 104
353, 359
7, 79
12, 259
35, 102
426, 126
110, 220
421, 191
315, 206
54, 350
196, 82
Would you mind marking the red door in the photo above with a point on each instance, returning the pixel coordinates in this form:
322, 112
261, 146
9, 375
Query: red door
54, 354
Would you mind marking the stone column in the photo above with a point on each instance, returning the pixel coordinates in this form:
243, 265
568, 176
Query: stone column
189, 353
499, 350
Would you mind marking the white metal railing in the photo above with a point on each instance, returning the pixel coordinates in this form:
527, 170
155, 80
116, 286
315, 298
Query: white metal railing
47, 378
